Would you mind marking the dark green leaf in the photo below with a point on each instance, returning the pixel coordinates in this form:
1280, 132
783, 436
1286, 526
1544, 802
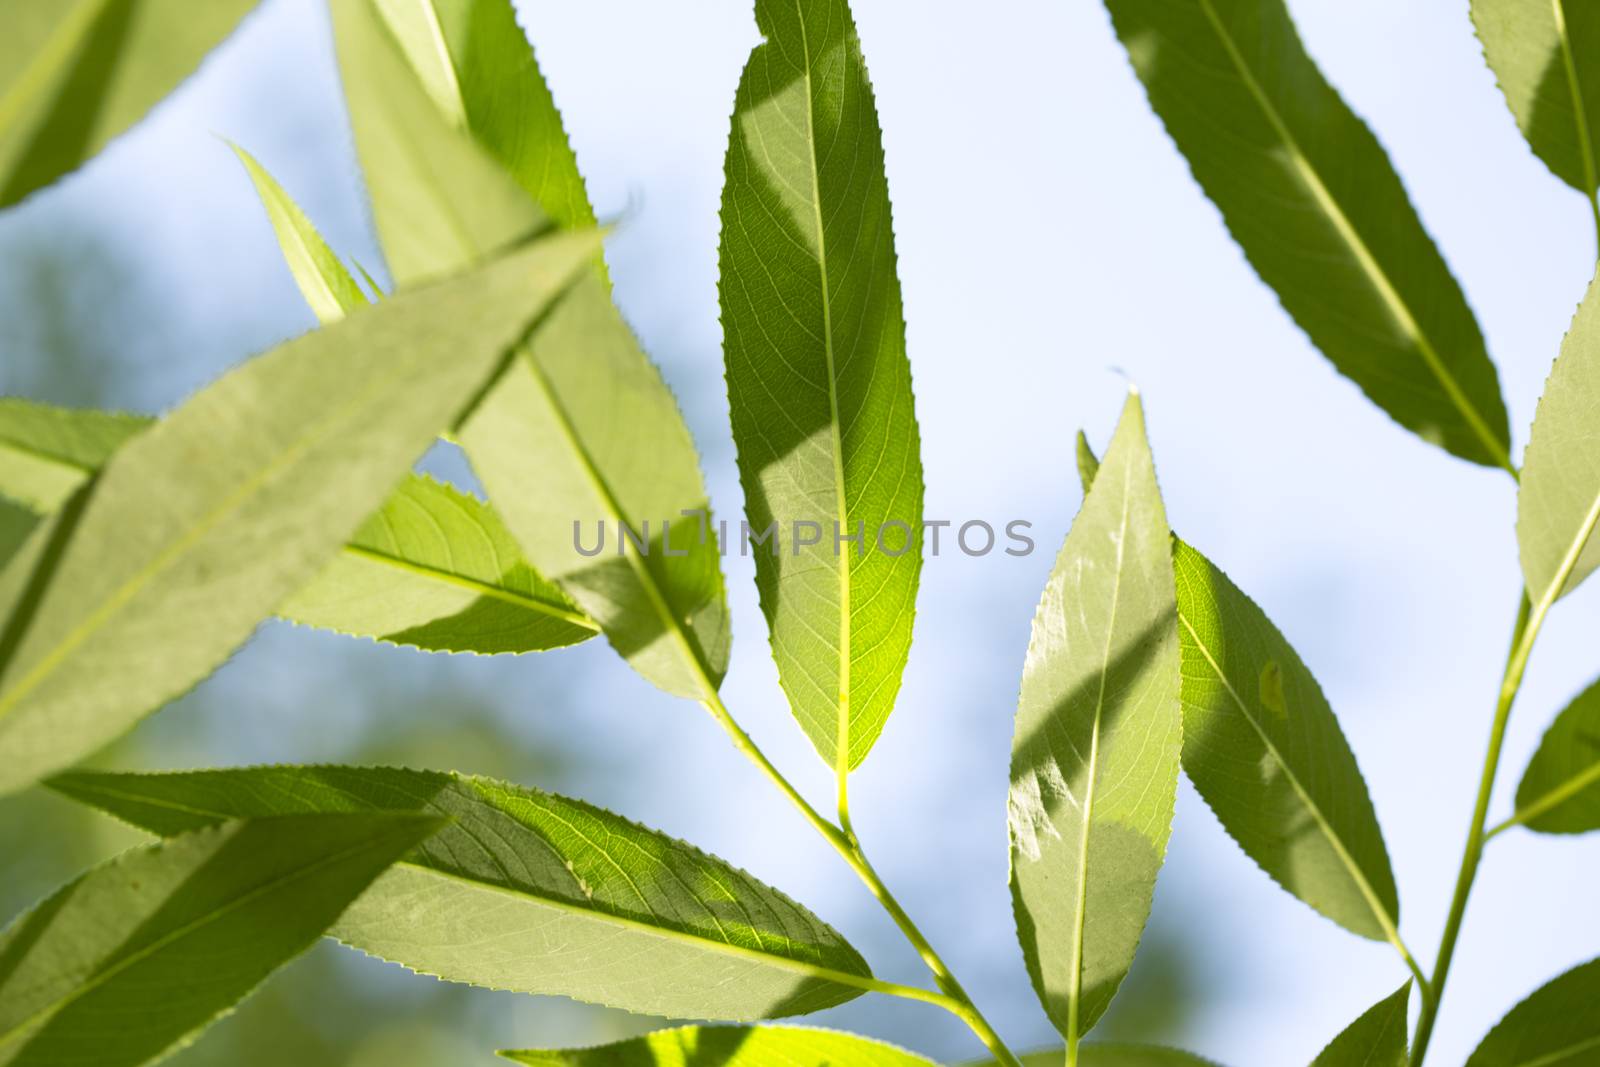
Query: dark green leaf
135, 957
534, 892
1109, 1056
1377, 1039
1316, 206
1557, 1025
729, 1046
1094, 766
1560, 791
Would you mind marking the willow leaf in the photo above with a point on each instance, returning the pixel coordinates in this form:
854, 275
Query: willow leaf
76, 73
1263, 748
16, 523
1546, 56
1094, 766
729, 1046
1319, 211
581, 430
115, 607
135, 957
1560, 790
1097, 1055
1557, 1025
818, 380
433, 568
1377, 1039
1558, 503
533, 892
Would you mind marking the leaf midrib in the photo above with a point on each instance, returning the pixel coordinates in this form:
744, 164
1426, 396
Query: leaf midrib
1553, 1058
1369, 264
1551, 799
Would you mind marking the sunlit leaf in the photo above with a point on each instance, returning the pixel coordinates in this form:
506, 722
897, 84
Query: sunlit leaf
1559, 502
581, 430
818, 380
533, 892
1319, 211
1096, 1055
1560, 791
76, 73
135, 957
1094, 765
1546, 56
46, 453
1557, 1026
1377, 1039
116, 606
729, 1046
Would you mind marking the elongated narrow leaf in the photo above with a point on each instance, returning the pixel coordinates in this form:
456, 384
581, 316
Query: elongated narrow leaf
1263, 748
76, 73
1094, 765
1560, 791
1377, 1039
138, 955
818, 380
118, 605
581, 430
1558, 504
533, 892
1557, 1026
729, 1046
433, 568
16, 523
1546, 56
1095, 1055
1318, 210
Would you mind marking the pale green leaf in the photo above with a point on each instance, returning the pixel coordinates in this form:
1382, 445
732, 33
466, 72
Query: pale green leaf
1109, 1056
581, 430
1263, 748
533, 892
818, 380
1094, 768
729, 1046
1546, 56
1377, 1039
1558, 504
135, 957
116, 606
1560, 790
324, 281
433, 568
1557, 1026
76, 73
1319, 211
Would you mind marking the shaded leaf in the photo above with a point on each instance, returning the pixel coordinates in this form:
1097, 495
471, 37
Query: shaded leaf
263, 475
533, 892
47, 452
1558, 504
16, 523
1560, 790
1546, 56
1094, 764
729, 1046
76, 73
1263, 748
1377, 1039
818, 381
1319, 211
1558, 1024
581, 430
133, 958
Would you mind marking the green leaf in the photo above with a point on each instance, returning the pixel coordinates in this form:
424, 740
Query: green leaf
434, 568
1263, 748
16, 523
1094, 767
1088, 464
1560, 790
581, 430
1558, 1024
1319, 211
1546, 56
132, 959
1377, 1039
534, 892
76, 73
323, 280
116, 605
818, 380
1109, 1056
729, 1046
1558, 504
